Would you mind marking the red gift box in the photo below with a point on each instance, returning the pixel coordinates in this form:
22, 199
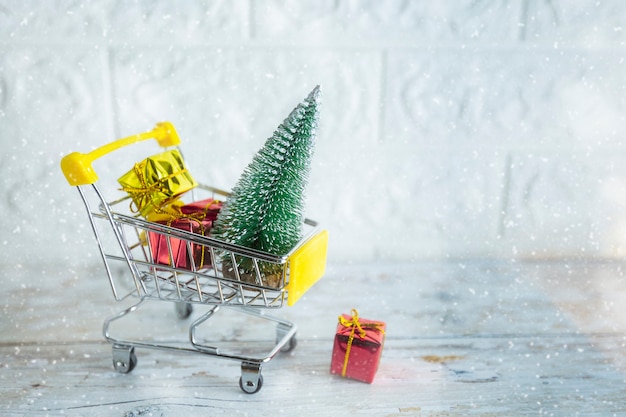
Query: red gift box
207, 209
196, 217
358, 347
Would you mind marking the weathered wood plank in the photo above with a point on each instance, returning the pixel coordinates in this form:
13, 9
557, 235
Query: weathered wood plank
473, 338
423, 299
563, 375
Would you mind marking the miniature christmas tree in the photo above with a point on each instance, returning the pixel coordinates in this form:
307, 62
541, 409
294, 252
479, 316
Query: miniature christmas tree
265, 209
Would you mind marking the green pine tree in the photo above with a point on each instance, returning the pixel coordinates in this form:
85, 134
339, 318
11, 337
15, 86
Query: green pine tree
265, 209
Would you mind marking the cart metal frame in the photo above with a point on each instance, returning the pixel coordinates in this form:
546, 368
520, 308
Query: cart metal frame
132, 270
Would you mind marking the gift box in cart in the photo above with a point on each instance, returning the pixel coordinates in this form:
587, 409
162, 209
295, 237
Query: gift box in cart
122, 236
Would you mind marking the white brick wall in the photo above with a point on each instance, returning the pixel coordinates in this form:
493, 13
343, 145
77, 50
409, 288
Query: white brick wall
449, 129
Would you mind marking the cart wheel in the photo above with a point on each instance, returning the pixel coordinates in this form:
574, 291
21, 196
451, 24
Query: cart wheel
183, 309
289, 346
251, 379
281, 331
124, 359
250, 387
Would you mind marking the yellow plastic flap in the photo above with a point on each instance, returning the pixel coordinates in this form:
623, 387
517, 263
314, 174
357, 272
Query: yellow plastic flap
306, 266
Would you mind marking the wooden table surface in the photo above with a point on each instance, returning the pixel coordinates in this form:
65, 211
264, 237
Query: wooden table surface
464, 338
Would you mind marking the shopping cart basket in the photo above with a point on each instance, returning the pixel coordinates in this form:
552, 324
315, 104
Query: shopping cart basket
132, 272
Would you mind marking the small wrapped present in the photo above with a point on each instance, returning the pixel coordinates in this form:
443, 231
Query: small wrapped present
358, 347
157, 181
196, 218
207, 209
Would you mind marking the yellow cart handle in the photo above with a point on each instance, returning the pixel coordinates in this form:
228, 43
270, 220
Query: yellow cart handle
77, 166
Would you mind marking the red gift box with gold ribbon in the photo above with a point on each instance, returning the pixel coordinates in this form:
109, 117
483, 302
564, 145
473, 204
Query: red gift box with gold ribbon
358, 347
196, 217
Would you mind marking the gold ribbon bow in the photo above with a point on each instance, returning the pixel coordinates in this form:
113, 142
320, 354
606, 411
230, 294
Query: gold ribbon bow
355, 324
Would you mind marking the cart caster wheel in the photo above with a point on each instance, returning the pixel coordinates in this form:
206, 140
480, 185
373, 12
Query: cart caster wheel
281, 331
251, 379
250, 387
124, 359
183, 310
291, 345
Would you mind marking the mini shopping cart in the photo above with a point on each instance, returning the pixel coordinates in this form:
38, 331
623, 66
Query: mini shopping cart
132, 272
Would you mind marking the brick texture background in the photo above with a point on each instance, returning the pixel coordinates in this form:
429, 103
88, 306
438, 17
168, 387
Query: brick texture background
449, 129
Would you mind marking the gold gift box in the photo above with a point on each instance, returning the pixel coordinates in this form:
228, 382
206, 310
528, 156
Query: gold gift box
157, 181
